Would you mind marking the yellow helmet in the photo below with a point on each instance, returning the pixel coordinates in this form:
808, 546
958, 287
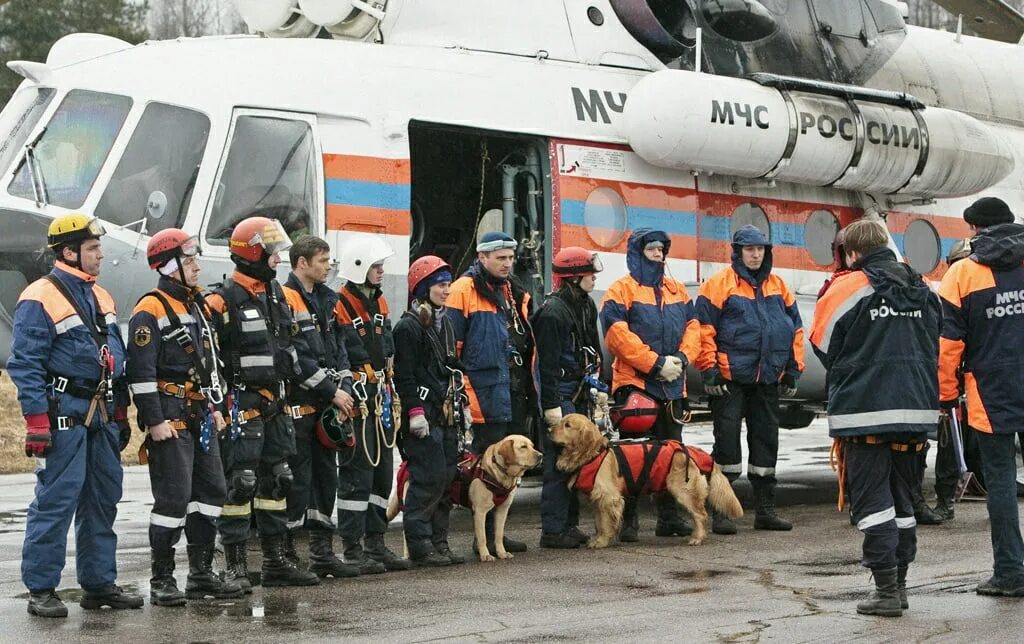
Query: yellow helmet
72, 228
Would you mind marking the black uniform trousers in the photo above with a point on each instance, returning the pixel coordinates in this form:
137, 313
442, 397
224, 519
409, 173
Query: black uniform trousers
759, 406
880, 483
264, 443
315, 468
432, 462
188, 490
364, 488
668, 426
559, 505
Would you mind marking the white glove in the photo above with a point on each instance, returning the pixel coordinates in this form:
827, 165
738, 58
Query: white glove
467, 418
418, 426
553, 416
671, 370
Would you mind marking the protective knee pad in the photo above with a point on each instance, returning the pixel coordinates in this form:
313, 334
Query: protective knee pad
283, 479
241, 487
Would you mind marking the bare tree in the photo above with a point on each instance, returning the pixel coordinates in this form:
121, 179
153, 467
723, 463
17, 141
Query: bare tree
174, 18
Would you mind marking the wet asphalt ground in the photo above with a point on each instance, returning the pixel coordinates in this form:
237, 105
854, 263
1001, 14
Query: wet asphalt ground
800, 586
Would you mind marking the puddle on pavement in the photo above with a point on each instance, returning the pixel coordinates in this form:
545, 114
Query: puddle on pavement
697, 575
74, 595
267, 606
817, 448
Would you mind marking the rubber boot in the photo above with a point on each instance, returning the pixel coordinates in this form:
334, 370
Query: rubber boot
924, 515
766, 517
236, 568
202, 582
559, 540
353, 553
885, 602
113, 596
46, 603
322, 560
672, 521
578, 535
423, 555
630, 530
944, 503
720, 524
901, 586
277, 570
163, 589
377, 550
440, 540
289, 549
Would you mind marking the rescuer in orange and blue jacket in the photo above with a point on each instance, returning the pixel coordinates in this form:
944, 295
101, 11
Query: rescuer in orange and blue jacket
67, 361
490, 313
983, 328
651, 331
752, 344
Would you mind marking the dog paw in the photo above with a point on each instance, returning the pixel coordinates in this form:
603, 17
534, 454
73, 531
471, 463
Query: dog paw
597, 543
487, 558
695, 542
504, 555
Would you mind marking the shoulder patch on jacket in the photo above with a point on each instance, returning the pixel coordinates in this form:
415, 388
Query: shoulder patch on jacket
143, 336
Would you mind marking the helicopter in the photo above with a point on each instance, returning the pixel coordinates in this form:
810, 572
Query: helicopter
561, 122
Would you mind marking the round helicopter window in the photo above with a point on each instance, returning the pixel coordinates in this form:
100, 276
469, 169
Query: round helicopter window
819, 232
604, 216
752, 214
922, 246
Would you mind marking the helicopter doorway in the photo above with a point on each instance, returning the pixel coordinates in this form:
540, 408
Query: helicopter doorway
466, 182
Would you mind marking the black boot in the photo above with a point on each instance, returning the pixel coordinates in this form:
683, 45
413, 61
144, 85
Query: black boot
766, 517
511, 545
924, 515
559, 540
578, 535
202, 582
672, 521
944, 506
163, 589
289, 549
885, 602
46, 603
236, 568
423, 555
277, 570
113, 596
377, 550
901, 586
630, 530
322, 560
353, 553
443, 549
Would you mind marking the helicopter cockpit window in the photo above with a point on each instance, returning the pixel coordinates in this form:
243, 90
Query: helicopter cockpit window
162, 157
888, 16
21, 115
71, 150
270, 171
839, 17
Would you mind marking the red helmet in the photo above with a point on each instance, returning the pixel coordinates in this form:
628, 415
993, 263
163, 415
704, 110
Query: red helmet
636, 415
574, 261
254, 236
333, 432
423, 268
171, 243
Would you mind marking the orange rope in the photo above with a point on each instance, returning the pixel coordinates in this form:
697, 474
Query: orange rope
837, 459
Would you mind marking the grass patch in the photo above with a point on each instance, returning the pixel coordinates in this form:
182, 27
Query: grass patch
12, 433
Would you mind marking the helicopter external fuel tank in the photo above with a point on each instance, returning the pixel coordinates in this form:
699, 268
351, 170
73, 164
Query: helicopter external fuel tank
810, 132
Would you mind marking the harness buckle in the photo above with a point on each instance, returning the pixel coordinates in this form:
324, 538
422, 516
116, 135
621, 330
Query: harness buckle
296, 412
60, 383
64, 423
359, 387
357, 323
378, 319
423, 392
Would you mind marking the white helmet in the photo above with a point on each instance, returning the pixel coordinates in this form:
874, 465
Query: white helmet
358, 253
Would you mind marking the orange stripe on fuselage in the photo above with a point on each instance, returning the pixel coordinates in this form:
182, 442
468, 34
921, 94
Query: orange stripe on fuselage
362, 168
370, 220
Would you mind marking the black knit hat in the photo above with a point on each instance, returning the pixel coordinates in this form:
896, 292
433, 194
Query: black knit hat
988, 211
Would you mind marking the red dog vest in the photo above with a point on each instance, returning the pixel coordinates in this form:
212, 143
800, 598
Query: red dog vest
644, 466
468, 470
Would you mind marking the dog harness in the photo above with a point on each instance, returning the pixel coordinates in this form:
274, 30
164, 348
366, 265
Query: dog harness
468, 469
644, 465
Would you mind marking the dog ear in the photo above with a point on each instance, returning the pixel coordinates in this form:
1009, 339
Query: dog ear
505, 455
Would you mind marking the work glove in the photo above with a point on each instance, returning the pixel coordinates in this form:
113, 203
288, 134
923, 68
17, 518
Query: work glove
671, 369
787, 387
552, 416
418, 425
124, 430
714, 385
37, 435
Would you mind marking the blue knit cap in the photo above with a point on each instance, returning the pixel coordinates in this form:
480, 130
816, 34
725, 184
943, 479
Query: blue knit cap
495, 241
434, 278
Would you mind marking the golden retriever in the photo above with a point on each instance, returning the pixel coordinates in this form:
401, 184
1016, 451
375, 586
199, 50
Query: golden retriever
503, 465
582, 442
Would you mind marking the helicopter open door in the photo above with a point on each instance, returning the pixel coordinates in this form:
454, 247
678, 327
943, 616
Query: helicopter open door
273, 167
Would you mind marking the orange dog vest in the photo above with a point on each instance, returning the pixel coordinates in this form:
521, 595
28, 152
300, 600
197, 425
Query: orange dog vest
644, 466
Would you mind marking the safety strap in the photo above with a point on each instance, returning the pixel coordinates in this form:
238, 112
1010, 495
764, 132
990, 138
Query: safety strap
635, 486
179, 333
373, 345
97, 329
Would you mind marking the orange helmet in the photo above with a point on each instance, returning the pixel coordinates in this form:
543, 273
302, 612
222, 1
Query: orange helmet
256, 238
171, 243
574, 261
423, 268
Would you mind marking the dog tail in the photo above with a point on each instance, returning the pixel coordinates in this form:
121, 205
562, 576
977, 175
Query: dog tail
392, 510
721, 496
